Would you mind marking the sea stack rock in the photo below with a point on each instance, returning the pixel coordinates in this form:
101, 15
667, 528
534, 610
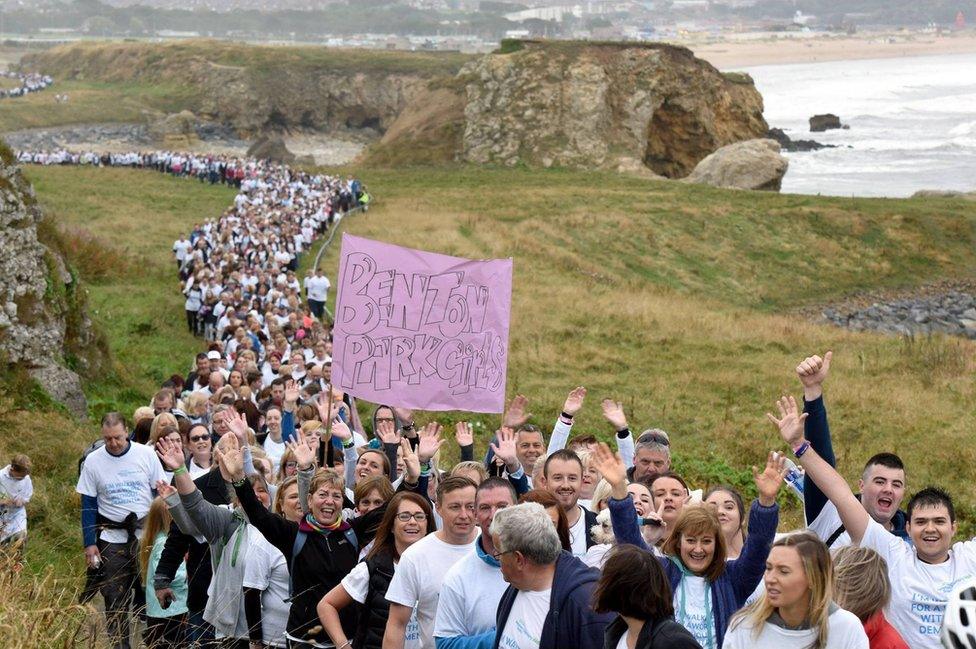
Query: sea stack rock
821, 123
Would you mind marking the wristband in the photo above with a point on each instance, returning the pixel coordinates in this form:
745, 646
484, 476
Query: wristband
239, 483
407, 426
624, 432
179, 470
801, 449
348, 443
566, 415
425, 469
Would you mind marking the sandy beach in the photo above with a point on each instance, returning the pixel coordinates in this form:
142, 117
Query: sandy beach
769, 49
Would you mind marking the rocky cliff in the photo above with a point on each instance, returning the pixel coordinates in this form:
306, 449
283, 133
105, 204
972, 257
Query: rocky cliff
43, 326
253, 88
588, 105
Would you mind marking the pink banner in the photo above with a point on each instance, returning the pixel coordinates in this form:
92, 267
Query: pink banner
419, 329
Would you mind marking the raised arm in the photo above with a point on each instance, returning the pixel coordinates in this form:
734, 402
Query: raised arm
305, 461
278, 531
623, 514
613, 411
831, 483
564, 423
812, 372
465, 440
748, 569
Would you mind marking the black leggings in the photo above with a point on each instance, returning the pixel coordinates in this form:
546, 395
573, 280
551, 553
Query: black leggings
165, 632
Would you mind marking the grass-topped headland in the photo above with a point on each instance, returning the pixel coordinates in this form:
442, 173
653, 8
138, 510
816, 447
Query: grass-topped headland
250, 87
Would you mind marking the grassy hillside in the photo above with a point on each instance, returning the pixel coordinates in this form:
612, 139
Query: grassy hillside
122, 81
676, 300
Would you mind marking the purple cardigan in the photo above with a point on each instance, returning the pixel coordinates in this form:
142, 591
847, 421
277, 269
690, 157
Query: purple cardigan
741, 576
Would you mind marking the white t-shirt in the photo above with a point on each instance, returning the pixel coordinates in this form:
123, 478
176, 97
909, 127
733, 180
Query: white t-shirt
692, 614
318, 288
13, 519
356, 584
417, 580
826, 524
266, 570
622, 643
196, 470
577, 535
919, 590
181, 248
844, 631
122, 484
274, 450
523, 628
469, 598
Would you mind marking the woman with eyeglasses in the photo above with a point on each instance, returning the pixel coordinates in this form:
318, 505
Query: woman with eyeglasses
408, 519
200, 448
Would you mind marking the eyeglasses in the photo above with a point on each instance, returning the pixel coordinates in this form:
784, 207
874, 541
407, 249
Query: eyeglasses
420, 517
498, 555
199, 438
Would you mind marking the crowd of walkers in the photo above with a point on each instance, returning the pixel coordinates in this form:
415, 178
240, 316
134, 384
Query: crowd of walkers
251, 503
265, 512
29, 82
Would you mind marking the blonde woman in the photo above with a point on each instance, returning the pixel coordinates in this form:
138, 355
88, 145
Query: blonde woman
861, 586
165, 627
796, 610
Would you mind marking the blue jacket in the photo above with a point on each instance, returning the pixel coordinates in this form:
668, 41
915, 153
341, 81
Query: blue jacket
571, 622
741, 576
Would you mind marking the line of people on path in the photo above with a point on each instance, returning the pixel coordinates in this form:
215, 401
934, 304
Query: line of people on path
270, 515
238, 270
29, 82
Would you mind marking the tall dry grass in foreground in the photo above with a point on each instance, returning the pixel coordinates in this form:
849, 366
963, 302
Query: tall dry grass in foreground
42, 611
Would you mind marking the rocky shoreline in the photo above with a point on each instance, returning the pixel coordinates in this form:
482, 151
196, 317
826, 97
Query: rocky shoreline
939, 309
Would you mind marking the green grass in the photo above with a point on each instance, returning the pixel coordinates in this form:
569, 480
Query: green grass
676, 300
94, 102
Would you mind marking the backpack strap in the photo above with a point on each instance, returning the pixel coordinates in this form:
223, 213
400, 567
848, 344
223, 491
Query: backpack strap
300, 539
833, 537
352, 538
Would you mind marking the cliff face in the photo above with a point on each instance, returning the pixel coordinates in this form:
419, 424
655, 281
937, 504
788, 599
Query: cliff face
582, 105
253, 88
42, 322
585, 105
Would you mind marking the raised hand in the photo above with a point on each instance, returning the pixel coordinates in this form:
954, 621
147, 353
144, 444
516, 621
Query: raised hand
574, 401
430, 442
613, 411
463, 434
410, 461
611, 467
341, 430
771, 479
812, 372
165, 489
304, 454
403, 415
230, 460
237, 424
322, 405
515, 415
790, 421
170, 454
387, 432
654, 533
292, 392
505, 449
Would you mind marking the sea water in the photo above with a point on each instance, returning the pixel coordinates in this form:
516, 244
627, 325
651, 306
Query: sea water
912, 123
